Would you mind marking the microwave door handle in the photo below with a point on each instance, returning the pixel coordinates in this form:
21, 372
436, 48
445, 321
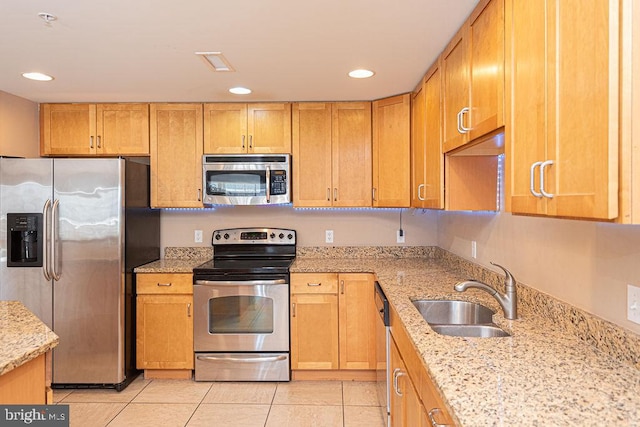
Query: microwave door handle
268, 184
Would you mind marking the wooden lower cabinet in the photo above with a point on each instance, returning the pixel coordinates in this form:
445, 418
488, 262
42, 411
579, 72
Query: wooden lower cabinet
332, 321
164, 330
26, 384
406, 407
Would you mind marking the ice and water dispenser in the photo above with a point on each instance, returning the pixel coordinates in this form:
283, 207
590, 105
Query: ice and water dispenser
24, 239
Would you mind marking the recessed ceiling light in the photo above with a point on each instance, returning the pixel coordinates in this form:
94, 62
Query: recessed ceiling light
240, 90
216, 60
361, 74
37, 76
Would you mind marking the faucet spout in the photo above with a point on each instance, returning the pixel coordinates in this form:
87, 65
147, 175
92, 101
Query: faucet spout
508, 300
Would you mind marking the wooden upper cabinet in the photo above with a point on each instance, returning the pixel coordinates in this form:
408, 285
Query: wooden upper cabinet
332, 154
122, 129
433, 193
392, 152
418, 146
247, 128
351, 154
176, 155
473, 77
562, 139
94, 129
312, 154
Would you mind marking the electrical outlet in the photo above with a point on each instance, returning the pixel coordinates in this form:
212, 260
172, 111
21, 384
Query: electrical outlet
400, 237
474, 252
633, 303
328, 236
197, 236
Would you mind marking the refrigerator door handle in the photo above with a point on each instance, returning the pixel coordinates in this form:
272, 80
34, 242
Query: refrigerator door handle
54, 241
45, 232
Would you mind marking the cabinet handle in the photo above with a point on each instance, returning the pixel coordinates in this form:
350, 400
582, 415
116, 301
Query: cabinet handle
542, 166
91, 142
532, 179
373, 194
462, 127
293, 310
421, 198
199, 194
335, 194
165, 284
314, 284
243, 141
250, 142
397, 373
188, 309
342, 287
99, 142
328, 194
432, 418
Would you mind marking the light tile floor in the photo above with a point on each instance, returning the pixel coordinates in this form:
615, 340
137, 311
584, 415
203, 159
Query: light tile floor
182, 403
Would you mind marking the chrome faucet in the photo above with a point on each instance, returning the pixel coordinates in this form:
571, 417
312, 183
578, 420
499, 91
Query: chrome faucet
508, 301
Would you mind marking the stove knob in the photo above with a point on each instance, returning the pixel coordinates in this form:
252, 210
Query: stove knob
272, 235
289, 236
226, 236
218, 237
281, 235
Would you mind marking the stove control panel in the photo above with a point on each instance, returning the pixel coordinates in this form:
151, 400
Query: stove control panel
254, 236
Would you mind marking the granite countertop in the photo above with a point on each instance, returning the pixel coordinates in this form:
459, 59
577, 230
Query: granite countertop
170, 266
540, 375
23, 336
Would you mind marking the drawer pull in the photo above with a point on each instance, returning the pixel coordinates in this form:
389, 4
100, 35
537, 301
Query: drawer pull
314, 284
189, 310
165, 284
432, 418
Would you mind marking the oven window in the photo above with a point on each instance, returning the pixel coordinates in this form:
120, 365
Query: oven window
236, 183
241, 314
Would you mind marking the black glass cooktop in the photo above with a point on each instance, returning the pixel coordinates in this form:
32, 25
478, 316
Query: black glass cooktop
245, 266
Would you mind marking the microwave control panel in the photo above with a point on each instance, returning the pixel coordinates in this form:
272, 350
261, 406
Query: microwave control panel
278, 183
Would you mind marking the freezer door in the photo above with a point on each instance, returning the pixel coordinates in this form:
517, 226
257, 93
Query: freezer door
25, 187
88, 228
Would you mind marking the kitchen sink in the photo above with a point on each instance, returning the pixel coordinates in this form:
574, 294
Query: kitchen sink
459, 318
477, 331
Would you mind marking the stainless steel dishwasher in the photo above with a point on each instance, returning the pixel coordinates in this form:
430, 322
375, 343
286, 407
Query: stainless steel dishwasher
383, 340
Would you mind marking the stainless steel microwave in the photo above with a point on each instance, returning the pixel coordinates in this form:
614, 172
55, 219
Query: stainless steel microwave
246, 179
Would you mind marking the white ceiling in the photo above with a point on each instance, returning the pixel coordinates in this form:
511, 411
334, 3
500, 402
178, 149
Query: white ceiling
285, 50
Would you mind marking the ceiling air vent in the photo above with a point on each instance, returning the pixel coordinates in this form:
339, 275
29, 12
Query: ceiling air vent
216, 60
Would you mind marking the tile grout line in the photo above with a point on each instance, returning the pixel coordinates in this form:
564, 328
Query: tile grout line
130, 400
200, 403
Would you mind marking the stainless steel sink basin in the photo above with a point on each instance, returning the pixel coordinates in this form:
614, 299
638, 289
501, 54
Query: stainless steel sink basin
477, 331
453, 312
459, 318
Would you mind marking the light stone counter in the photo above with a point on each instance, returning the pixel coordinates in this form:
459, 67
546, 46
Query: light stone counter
170, 266
544, 374
23, 337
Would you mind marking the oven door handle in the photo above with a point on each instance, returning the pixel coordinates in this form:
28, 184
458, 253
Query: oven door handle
240, 282
244, 360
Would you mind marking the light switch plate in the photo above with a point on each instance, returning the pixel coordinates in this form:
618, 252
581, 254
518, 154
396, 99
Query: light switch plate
633, 303
474, 249
197, 236
400, 238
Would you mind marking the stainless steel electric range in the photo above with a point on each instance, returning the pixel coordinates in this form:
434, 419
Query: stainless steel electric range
241, 306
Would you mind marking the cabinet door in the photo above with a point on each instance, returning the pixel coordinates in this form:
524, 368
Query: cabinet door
357, 321
312, 154
392, 152
314, 331
351, 152
225, 128
122, 129
433, 193
67, 129
418, 146
455, 75
486, 39
527, 116
583, 63
269, 128
176, 155
164, 332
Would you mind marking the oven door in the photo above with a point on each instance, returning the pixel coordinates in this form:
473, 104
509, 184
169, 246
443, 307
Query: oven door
239, 316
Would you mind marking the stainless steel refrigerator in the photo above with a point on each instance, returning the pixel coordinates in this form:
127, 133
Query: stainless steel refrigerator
71, 232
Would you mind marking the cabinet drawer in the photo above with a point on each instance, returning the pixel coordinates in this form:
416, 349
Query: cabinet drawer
163, 283
314, 283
